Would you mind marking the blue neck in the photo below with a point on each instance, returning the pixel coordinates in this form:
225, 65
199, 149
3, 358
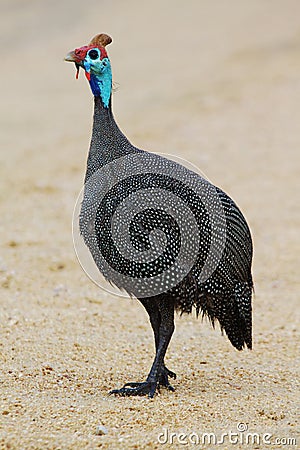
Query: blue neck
101, 85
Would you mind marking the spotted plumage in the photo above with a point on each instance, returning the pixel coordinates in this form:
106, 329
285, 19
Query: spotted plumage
160, 231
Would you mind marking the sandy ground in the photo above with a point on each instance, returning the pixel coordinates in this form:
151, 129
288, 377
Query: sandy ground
216, 83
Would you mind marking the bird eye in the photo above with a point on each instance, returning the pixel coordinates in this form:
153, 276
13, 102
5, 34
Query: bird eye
93, 54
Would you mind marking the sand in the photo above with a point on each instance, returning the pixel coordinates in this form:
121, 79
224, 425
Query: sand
216, 83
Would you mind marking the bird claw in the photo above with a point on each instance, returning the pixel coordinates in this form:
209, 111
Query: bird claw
146, 387
164, 379
170, 373
129, 389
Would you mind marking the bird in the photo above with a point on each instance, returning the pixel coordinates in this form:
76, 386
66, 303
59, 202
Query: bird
160, 231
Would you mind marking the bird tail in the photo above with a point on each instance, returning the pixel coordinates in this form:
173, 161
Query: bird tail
233, 312
243, 299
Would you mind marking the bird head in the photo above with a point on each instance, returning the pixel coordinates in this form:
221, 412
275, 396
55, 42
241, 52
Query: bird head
94, 61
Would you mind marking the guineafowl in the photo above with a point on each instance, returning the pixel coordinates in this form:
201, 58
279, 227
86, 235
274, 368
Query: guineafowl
159, 231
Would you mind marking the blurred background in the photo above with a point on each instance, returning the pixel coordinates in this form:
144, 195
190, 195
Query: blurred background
214, 82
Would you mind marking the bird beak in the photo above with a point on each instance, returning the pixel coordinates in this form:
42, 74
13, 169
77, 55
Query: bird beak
77, 56
71, 57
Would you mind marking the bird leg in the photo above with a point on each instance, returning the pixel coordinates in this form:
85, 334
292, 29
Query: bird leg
155, 320
162, 321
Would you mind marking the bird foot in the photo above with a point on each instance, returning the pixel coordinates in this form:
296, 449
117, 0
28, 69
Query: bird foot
144, 388
164, 378
147, 387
